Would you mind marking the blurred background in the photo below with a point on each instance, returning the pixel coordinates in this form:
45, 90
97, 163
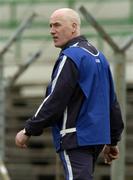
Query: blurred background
27, 56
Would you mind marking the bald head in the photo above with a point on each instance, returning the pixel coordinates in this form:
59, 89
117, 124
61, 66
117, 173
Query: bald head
65, 25
68, 14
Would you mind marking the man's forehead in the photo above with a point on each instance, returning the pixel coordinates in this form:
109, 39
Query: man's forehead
57, 18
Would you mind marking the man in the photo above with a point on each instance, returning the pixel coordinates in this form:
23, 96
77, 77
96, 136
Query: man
80, 104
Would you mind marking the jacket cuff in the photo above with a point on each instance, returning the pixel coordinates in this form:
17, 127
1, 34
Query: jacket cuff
113, 143
26, 132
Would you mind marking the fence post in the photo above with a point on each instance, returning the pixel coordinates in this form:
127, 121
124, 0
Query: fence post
2, 110
118, 166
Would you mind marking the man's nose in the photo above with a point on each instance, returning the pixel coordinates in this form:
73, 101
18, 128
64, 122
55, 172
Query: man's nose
52, 30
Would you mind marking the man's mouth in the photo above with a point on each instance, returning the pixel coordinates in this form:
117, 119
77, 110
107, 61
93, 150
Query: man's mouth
55, 38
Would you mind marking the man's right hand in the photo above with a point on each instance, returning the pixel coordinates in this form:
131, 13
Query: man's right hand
21, 139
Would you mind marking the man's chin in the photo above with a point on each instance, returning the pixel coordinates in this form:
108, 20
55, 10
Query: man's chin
57, 45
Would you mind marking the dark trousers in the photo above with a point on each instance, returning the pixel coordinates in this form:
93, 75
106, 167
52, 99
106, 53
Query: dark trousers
79, 163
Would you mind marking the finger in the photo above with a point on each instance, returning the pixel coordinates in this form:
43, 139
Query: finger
20, 144
113, 156
17, 143
107, 162
107, 158
23, 146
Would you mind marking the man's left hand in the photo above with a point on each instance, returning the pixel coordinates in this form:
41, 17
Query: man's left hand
110, 153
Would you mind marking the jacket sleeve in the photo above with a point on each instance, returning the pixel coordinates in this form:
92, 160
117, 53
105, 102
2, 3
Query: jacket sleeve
53, 106
116, 121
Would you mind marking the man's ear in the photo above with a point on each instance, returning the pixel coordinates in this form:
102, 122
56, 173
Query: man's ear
74, 25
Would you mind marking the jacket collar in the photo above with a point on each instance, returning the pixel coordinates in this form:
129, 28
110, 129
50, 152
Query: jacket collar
74, 41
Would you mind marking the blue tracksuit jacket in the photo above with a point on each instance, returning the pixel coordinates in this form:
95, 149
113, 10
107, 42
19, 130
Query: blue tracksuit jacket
80, 103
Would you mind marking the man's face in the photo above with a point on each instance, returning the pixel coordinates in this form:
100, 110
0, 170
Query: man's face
61, 30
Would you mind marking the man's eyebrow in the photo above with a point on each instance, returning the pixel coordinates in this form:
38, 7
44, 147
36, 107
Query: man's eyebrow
56, 23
